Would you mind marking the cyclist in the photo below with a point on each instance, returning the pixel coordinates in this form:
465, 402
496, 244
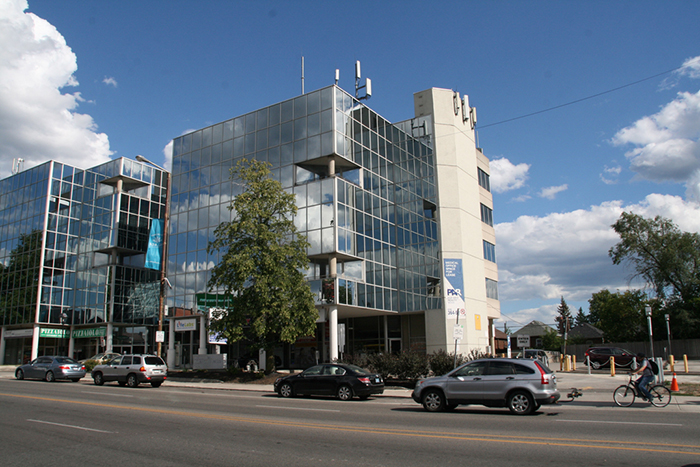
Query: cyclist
647, 376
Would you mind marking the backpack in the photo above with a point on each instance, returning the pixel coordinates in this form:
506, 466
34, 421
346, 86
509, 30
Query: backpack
653, 367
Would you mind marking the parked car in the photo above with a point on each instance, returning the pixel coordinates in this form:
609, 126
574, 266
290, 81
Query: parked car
331, 379
600, 357
102, 357
51, 368
131, 370
537, 354
522, 385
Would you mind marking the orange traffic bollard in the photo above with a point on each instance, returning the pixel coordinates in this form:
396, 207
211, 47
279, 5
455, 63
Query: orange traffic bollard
674, 384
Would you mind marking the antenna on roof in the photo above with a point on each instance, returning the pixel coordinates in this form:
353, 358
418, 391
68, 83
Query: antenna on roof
367, 87
17, 165
337, 76
302, 74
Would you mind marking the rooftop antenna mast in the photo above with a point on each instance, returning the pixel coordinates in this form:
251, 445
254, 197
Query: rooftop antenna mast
17, 165
367, 87
302, 74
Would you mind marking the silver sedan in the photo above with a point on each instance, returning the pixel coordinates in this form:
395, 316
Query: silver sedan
51, 368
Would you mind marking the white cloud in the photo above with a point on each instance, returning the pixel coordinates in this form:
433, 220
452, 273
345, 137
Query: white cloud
109, 81
37, 120
566, 254
667, 144
552, 191
505, 176
613, 172
168, 153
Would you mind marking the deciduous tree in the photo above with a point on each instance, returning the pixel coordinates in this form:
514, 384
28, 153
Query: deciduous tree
262, 265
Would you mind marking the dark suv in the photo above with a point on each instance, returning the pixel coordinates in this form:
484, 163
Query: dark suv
600, 357
130, 370
522, 385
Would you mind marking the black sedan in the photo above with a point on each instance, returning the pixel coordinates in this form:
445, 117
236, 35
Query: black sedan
331, 379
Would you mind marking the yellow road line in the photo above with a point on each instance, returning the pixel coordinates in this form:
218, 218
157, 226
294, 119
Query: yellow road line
493, 438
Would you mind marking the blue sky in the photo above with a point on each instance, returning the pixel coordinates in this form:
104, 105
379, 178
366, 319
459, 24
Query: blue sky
86, 81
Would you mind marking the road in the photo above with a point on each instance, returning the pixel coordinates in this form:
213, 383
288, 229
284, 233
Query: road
64, 423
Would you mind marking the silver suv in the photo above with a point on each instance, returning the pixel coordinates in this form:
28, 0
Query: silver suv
130, 370
522, 385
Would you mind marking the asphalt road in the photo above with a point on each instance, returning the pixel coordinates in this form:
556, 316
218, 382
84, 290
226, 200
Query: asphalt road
63, 423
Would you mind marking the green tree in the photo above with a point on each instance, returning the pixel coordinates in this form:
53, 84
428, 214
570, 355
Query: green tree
552, 341
667, 259
263, 259
564, 319
619, 315
581, 318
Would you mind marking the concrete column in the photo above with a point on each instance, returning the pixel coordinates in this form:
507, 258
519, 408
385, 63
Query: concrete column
2, 345
202, 335
71, 342
35, 342
109, 339
171, 345
333, 332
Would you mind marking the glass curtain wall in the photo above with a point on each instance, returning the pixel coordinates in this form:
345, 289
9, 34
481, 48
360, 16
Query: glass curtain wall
377, 216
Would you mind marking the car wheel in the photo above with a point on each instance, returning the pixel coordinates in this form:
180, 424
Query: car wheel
156, 384
433, 401
98, 379
595, 365
19, 374
521, 403
132, 381
344, 393
286, 390
50, 377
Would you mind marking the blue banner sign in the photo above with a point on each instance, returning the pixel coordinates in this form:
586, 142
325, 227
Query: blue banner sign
155, 245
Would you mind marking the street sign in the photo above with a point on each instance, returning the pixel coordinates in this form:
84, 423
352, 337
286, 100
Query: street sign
523, 341
160, 336
458, 332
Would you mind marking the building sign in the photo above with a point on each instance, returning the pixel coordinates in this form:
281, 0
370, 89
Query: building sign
454, 287
216, 338
185, 324
53, 332
10, 333
90, 332
211, 300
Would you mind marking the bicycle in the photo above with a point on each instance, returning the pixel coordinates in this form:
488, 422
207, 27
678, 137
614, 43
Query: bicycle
625, 395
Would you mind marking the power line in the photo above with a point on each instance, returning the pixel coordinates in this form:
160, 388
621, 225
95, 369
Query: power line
582, 99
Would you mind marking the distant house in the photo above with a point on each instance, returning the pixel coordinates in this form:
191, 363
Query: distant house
535, 330
586, 334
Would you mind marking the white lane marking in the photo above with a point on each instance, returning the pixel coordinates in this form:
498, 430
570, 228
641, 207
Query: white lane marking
620, 423
295, 408
70, 426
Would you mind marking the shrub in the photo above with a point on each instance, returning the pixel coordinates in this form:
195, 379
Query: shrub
90, 364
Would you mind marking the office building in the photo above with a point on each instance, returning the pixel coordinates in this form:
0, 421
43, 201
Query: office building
399, 218
73, 246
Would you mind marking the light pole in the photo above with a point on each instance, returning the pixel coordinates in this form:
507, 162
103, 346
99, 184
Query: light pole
651, 334
164, 255
668, 334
